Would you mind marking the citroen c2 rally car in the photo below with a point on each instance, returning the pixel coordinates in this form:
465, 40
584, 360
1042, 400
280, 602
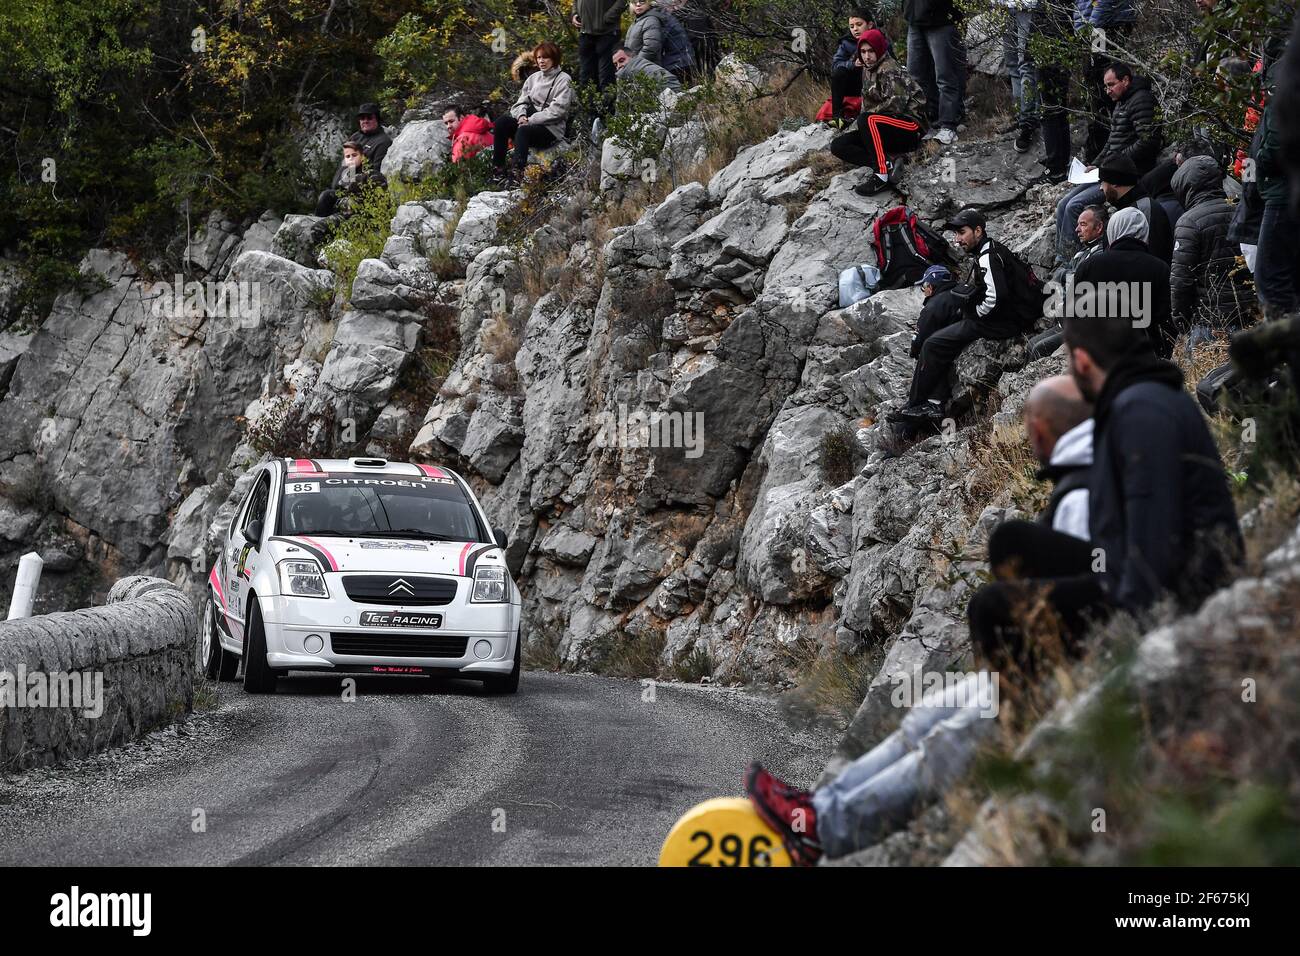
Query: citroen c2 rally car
360, 566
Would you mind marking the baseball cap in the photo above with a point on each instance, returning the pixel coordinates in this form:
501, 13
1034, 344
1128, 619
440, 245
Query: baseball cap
934, 275
967, 217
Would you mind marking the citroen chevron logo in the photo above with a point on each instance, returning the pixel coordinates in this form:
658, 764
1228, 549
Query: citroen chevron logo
400, 586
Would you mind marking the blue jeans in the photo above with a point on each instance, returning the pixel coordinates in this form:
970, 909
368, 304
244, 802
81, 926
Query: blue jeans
1067, 217
1020, 64
936, 58
1277, 260
880, 791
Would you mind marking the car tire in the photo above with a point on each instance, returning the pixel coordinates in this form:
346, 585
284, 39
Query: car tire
259, 677
508, 683
213, 661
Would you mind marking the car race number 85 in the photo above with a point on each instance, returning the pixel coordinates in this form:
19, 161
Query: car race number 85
725, 831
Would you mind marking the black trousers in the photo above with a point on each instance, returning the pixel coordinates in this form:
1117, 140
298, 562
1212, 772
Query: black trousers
874, 138
1100, 104
1054, 87
844, 83
1038, 570
327, 203
526, 137
594, 63
938, 348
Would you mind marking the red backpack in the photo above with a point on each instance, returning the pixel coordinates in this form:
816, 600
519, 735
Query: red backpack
905, 247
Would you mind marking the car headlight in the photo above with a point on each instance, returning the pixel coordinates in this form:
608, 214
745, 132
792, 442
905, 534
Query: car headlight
489, 585
302, 579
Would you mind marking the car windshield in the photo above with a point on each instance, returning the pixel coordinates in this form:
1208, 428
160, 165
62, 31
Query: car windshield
377, 506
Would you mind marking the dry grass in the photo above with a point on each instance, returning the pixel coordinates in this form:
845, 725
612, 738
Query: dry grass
827, 684
1202, 360
542, 652
544, 271
1003, 469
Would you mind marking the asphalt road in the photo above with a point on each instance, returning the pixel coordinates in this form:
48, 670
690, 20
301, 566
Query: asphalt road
575, 769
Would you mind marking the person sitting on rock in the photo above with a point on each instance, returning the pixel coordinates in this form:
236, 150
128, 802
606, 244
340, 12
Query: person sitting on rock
892, 120
1127, 263
881, 791
1161, 522
628, 66
942, 305
468, 132
1091, 232
1058, 425
1205, 286
999, 304
370, 135
1133, 134
660, 37
539, 115
354, 177
373, 143
1121, 188
846, 70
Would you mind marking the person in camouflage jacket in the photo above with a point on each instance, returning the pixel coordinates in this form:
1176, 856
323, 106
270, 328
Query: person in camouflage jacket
893, 117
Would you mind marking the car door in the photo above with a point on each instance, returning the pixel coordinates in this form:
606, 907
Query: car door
240, 557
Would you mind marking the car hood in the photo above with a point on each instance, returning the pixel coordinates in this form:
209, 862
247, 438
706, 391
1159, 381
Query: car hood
386, 554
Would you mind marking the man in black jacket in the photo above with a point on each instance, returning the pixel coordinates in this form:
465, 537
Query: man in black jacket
1160, 509
999, 305
1161, 518
936, 57
1133, 134
1127, 279
373, 142
1121, 188
1205, 286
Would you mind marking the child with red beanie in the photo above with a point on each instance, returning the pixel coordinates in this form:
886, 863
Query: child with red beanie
893, 117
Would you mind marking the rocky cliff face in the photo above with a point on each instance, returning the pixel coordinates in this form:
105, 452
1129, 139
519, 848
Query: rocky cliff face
654, 446
644, 416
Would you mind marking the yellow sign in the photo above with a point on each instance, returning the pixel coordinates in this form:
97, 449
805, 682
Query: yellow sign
724, 831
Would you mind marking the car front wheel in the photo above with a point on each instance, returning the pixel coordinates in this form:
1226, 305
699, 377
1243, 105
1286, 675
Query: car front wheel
259, 677
507, 683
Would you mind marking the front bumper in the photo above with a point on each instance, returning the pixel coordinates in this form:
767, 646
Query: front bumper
295, 626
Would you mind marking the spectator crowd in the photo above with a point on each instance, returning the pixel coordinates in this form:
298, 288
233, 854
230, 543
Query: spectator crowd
1165, 241
1170, 242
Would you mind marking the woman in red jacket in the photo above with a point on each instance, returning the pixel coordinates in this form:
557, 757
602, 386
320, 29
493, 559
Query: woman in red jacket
468, 133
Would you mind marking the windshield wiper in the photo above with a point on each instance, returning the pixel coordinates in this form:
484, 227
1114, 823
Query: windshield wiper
407, 533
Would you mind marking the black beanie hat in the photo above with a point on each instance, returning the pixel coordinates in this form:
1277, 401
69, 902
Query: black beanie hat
1119, 171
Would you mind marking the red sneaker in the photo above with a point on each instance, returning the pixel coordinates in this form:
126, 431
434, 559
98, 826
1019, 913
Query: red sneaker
787, 810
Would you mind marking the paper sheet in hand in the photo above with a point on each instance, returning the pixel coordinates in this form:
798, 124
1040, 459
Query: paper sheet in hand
1080, 174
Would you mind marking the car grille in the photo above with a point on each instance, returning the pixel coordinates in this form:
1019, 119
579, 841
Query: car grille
399, 645
392, 590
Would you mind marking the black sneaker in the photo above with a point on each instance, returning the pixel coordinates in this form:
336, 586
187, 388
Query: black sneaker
872, 186
927, 411
1025, 138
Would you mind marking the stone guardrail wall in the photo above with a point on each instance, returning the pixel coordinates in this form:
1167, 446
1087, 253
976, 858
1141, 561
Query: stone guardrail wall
75, 682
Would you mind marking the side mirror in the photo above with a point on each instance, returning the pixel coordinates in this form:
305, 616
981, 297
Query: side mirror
502, 539
253, 534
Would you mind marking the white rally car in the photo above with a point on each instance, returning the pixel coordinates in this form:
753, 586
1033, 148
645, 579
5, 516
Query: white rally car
360, 566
